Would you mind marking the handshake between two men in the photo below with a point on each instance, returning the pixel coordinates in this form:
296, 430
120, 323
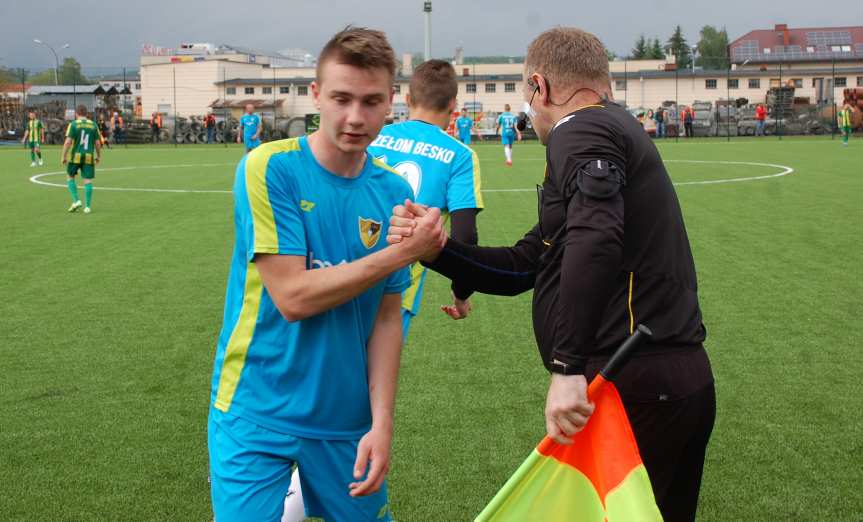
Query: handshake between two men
421, 230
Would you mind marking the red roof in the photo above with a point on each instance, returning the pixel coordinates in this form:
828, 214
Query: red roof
799, 44
14, 87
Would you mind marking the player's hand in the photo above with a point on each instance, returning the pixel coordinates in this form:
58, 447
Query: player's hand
374, 447
98, 160
402, 224
519, 136
239, 140
458, 309
64, 161
428, 236
567, 408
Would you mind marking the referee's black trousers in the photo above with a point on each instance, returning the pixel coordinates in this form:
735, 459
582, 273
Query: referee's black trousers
670, 400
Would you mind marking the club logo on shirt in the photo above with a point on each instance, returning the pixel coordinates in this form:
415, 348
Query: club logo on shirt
370, 232
306, 206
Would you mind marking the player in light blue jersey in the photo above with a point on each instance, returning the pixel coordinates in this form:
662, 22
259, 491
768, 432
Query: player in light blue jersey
508, 132
464, 124
250, 128
442, 172
307, 359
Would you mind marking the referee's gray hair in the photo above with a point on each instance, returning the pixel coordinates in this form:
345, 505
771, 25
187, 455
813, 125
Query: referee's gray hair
568, 57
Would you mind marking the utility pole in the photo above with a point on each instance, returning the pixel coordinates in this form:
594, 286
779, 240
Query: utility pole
427, 9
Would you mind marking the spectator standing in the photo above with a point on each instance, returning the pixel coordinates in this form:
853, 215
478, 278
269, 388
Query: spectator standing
156, 126
659, 116
688, 117
117, 125
760, 117
210, 125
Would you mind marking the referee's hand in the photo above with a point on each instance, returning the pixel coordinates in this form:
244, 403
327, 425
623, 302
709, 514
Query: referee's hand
567, 408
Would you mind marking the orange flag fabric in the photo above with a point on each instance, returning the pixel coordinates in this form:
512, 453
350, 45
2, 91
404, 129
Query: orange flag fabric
598, 478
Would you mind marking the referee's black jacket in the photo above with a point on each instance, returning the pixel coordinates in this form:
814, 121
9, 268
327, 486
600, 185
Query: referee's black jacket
610, 249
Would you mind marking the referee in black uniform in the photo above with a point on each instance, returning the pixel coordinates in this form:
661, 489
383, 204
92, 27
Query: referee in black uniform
610, 251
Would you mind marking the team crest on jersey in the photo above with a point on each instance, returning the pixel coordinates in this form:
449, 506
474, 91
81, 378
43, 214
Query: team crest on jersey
370, 231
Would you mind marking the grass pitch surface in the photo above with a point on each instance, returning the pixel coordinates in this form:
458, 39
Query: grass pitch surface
108, 325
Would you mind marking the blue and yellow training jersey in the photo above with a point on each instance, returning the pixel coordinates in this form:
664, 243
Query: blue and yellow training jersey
464, 124
305, 378
507, 121
250, 124
442, 172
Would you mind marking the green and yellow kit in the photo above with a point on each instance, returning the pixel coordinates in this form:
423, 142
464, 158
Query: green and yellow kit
34, 133
84, 134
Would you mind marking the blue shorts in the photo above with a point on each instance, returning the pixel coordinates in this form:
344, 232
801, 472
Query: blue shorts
507, 138
465, 138
250, 143
250, 473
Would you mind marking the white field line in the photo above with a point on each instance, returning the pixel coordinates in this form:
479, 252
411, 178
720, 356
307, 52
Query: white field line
37, 179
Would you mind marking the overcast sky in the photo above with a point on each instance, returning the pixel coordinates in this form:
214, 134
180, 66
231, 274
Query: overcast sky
103, 33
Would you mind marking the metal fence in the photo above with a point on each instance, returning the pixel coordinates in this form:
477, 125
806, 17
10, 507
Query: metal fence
800, 99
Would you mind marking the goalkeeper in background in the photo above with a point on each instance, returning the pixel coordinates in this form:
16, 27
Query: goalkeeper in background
84, 141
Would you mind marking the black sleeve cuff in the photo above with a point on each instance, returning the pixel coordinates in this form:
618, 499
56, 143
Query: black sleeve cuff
565, 364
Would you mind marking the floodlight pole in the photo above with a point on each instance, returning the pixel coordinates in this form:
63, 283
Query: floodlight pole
427, 9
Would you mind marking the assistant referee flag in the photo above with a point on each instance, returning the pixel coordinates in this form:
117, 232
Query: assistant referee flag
600, 477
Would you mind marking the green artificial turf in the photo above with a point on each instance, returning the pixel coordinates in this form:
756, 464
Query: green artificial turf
108, 325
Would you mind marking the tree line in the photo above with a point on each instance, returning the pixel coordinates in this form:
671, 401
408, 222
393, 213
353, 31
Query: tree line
711, 51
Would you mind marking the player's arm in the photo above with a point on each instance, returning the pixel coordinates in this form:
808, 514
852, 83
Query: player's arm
488, 270
67, 143
300, 293
42, 130
258, 128
240, 131
26, 133
384, 352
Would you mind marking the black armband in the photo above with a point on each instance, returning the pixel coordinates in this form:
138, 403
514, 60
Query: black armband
600, 179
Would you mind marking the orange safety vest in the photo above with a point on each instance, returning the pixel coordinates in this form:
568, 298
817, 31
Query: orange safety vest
157, 119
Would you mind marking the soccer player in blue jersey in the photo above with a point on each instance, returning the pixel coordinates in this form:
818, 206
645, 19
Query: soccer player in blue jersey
307, 360
442, 172
464, 124
506, 127
250, 128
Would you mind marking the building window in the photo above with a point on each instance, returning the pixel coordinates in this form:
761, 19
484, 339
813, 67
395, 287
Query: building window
509, 87
620, 85
840, 81
846, 48
465, 71
302, 90
285, 89
470, 87
754, 83
815, 81
766, 50
490, 87
231, 90
397, 88
249, 90
710, 84
733, 83
138, 86
268, 90
797, 83
860, 81
810, 49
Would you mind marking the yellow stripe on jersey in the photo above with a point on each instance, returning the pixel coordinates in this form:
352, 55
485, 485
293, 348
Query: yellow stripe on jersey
380, 164
477, 181
241, 338
410, 295
266, 238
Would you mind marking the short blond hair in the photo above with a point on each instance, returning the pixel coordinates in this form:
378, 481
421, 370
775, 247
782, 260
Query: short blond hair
359, 47
568, 57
